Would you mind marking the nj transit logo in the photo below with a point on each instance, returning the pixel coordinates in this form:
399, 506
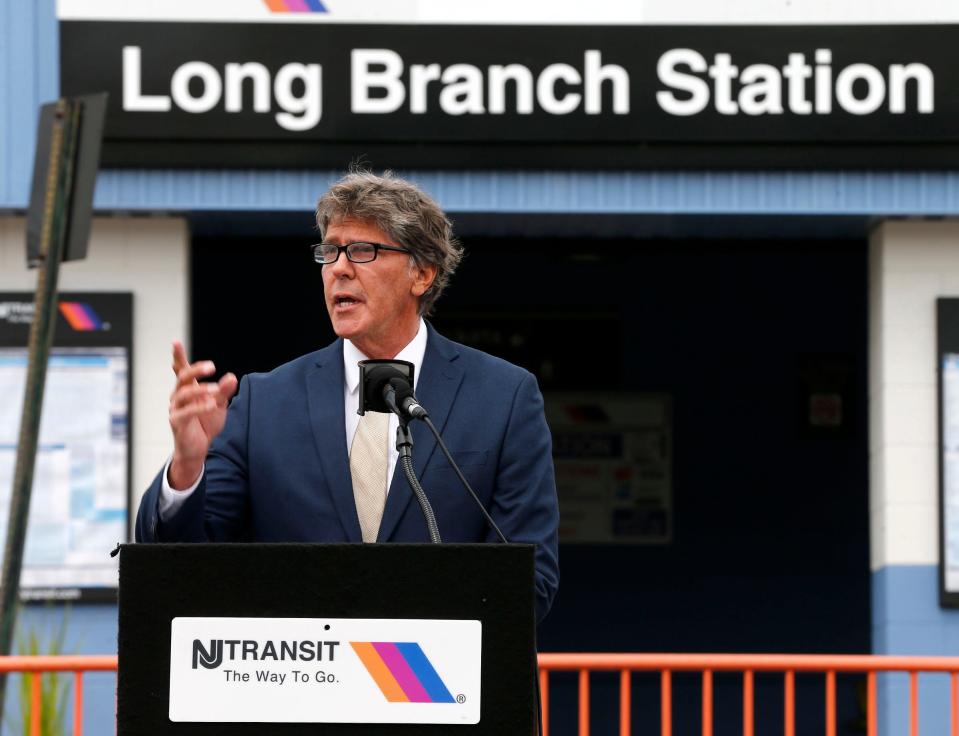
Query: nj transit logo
81, 317
210, 658
296, 6
402, 672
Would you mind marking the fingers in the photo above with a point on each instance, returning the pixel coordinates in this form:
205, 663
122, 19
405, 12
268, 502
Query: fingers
197, 392
220, 392
196, 409
184, 371
227, 387
191, 373
179, 357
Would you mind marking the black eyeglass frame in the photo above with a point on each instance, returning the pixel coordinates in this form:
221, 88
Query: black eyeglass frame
377, 247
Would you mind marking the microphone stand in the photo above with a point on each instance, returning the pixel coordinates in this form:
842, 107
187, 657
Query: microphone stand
404, 446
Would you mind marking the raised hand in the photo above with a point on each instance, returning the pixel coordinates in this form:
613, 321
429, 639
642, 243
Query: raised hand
197, 415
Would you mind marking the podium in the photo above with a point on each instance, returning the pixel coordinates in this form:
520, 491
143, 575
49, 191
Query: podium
387, 632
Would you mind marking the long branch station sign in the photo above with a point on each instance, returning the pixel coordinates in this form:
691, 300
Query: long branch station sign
289, 90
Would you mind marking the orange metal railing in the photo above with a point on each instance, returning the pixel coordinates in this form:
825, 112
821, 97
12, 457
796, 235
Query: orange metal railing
36, 666
626, 664
748, 665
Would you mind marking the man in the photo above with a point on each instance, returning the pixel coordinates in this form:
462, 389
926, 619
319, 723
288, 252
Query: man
291, 461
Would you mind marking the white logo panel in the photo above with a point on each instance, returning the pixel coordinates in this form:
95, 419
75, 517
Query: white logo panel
296, 670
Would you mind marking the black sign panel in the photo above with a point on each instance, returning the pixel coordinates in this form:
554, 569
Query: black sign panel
304, 94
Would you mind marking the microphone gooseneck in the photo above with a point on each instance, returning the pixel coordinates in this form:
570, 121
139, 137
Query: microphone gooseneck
466, 485
404, 446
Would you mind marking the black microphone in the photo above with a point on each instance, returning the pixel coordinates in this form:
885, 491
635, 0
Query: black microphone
375, 376
408, 407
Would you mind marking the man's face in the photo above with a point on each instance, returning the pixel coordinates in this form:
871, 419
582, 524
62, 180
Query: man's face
373, 304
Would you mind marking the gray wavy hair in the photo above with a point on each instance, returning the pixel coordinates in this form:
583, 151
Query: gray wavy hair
403, 211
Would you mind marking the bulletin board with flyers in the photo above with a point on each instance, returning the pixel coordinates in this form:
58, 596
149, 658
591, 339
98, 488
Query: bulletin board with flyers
79, 506
613, 457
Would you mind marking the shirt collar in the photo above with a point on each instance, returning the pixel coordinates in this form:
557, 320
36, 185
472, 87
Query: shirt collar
413, 353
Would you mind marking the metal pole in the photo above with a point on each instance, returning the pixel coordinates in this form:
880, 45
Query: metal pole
53, 235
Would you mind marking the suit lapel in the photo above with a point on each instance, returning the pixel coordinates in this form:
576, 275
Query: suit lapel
324, 390
437, 386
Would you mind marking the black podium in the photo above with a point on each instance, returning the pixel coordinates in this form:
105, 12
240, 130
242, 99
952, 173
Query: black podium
450, 582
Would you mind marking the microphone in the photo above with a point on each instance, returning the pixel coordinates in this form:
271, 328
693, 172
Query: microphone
403, 398
375, 377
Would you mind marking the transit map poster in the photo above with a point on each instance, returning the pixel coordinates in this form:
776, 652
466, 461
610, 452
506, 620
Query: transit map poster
950, 471
612, 452
79, 507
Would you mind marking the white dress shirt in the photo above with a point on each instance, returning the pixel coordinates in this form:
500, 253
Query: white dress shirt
171, 499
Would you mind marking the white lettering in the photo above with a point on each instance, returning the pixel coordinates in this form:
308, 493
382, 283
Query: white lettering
761, 93
899, 75
305, 111
522, 77
723, 73
420, 77
797, 71
823, 81
875, 89
233, 86
363, 80
133, 99
596, 74
463, 92
212, 87
697, 89
546, 89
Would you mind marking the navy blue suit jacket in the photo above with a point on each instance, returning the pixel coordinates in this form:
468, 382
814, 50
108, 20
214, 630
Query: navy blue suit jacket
279, 471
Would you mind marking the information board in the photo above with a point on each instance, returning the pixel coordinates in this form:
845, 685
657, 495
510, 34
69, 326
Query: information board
613, 457
79, 507
947, 363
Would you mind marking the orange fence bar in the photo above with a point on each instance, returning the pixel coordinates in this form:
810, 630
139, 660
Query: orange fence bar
831, 703
789, 703
748, 708
955, 703
625, 703
666, 703
544, 700
35, 704
913, 704
584, 702
707, 703
78, 704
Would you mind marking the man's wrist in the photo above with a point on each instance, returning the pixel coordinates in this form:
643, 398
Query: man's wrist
182, 475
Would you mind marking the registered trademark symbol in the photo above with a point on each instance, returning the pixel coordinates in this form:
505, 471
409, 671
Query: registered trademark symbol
461, 699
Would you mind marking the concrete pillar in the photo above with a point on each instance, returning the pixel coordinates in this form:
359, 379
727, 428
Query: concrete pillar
911, 264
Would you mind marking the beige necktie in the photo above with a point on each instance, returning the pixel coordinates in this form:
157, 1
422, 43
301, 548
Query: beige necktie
368, 466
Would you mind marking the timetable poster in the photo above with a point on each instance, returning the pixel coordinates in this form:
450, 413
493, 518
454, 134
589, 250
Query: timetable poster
612, 453
79, 505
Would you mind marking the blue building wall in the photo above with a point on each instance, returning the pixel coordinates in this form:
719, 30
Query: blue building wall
907, 620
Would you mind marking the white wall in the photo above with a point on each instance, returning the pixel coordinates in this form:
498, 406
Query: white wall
149, 257
911, 264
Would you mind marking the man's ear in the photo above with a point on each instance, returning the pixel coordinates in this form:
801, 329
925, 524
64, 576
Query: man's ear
423, 277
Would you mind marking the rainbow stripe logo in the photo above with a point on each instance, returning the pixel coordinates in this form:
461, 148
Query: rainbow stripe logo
402, 672
296, 6
81, 317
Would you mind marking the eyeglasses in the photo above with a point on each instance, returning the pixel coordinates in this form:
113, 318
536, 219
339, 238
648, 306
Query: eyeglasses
327, 253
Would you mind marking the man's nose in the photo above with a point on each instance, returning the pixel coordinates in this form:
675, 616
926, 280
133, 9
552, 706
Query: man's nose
341, 267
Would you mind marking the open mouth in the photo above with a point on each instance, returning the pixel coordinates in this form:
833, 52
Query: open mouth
344, 301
